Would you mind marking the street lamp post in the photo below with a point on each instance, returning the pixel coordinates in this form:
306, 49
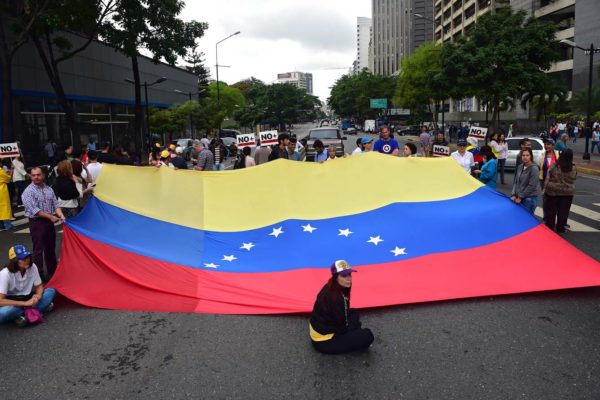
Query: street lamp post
190, 97
441, 61
217, 64
591, 51
146, 84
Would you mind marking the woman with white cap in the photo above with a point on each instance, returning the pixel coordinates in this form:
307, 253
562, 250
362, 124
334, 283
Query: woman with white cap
334, 327
22, 293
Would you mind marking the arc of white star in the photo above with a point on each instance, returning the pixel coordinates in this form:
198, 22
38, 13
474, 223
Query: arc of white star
210, 265
229, 258
398, 251
277, 231
345, 232
375, 240
247, 246
308, 228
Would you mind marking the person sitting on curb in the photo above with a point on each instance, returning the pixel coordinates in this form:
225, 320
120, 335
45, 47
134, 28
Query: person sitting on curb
21, 288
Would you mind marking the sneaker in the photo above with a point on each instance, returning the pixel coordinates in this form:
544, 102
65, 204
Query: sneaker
21, 321
49, 308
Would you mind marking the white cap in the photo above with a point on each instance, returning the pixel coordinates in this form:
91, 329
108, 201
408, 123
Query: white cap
179, 150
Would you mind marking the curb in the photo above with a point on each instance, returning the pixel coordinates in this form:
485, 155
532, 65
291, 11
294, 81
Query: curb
587, 171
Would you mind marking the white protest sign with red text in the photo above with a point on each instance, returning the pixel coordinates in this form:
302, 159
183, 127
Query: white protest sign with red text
245, 140
441, 151
9, 150
268, 138
478, 132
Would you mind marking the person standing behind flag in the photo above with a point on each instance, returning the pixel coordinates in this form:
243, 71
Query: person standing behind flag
280, 151
334, 327
386, 144
525, 186
489, 171
559, 189
463, 157
40, 207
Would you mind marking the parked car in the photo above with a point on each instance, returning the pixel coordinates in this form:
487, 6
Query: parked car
537, 145
329, 136
348, 127
408, 130
186, 145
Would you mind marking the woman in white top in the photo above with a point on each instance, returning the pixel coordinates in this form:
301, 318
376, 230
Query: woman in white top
501, 150
248, 160
463, 157
410, 150
18, 177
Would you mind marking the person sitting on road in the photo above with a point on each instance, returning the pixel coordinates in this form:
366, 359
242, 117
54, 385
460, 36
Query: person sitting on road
320, 153
410, 150
334, 327
165, 159
21, 288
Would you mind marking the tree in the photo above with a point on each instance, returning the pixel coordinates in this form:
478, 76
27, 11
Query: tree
579, 101
351, 94
22, 16
155, 27
211, 113
195, 61
420, 81
502, 56
545, 98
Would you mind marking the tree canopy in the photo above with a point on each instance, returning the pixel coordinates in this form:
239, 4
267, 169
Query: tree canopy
502, 57
351, 94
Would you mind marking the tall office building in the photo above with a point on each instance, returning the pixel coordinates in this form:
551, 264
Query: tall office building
363, 39
303, 80
575, 20
397, 32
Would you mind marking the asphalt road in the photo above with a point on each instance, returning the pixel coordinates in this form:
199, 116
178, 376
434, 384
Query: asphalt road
529, 346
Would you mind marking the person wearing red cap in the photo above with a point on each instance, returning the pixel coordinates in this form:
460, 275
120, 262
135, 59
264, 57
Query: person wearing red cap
334, 327
21, 288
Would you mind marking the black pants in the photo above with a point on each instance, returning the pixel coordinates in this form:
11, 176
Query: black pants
43, 236
356, 338
557, 211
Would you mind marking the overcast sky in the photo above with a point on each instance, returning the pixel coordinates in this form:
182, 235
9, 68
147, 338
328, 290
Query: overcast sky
280, 36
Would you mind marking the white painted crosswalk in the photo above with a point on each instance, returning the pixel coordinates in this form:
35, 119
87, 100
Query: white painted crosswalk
21, 220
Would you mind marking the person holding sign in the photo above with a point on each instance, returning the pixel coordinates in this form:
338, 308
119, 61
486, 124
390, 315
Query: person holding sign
334, 327
463, 157
386, 144
489, 171
440, 140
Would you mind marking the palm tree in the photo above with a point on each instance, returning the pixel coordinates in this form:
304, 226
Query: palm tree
544, 99
579, 102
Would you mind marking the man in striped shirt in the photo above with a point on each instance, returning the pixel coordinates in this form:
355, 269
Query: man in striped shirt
41, 207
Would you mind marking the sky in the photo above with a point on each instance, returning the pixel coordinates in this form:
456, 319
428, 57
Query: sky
279, 36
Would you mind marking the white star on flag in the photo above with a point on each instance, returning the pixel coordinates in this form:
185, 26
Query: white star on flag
308, 228
211, 265
345, 232
276, 231
375, 240
247, 246
398, 251
229, 258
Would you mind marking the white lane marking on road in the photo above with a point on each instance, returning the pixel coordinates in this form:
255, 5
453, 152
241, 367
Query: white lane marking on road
26, 230
20, 214
574, 225
597, 204
20, 221
586, 212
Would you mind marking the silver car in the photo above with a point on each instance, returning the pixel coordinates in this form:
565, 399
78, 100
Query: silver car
537, 145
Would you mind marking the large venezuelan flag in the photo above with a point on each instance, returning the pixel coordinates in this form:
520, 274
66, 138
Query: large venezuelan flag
261, 240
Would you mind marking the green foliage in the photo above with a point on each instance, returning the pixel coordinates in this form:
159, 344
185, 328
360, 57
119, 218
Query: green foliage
195, 61
420, 80
503, 56
168, 120
579, 101
545, 98
211, 113
351, 94
154, 26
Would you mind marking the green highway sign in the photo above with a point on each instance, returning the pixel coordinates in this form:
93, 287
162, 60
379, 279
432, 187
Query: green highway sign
378, 103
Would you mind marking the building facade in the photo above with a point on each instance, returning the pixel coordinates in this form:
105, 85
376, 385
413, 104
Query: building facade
303, 80
363, 39
94, 83
576, 20
397, 32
